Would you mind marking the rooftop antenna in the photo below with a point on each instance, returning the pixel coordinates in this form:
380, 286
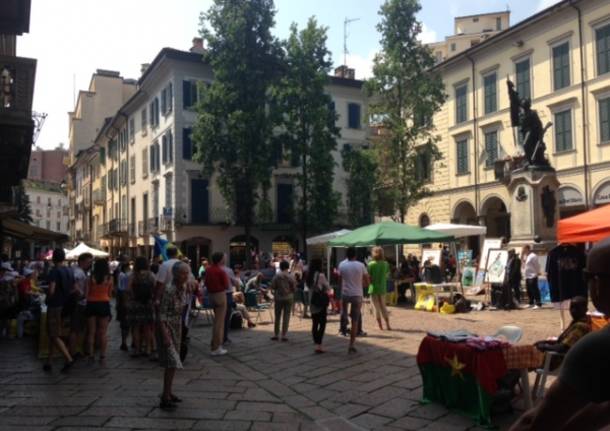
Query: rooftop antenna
345, 35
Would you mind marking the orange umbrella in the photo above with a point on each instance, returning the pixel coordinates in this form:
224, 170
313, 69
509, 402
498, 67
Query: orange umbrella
591, 226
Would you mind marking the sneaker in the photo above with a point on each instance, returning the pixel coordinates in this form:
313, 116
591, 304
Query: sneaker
535, 307
219, 352
227, 342
362, 334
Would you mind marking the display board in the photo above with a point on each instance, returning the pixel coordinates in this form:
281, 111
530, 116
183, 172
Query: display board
433, 255
488, 244
496, 266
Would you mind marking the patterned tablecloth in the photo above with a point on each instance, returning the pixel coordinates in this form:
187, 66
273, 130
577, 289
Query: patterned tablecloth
525, 356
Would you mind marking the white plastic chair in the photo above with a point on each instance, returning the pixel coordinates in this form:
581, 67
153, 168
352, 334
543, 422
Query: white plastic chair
511, 333
544, 372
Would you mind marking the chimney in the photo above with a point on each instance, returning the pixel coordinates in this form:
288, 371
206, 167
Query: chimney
144, 67
345, 72
197, 45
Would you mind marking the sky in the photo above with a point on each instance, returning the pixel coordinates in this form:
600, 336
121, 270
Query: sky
73, 38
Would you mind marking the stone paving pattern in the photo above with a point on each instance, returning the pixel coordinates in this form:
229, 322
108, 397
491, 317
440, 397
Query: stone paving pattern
260, 385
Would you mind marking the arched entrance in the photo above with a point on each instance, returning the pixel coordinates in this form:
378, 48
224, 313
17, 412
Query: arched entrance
571, 202
237, 249
602, 195
424, 220
465, 213
195, 249
496, 217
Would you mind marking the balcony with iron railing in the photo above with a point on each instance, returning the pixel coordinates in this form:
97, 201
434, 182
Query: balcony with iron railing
98, 197
117, 226
166, 223
152, 225
132, 230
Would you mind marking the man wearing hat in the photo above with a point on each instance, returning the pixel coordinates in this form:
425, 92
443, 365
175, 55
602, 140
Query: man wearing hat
580, 398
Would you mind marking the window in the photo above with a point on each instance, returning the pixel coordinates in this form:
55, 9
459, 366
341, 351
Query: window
157, 156
124, 172
153, 162
189, 94
423, 166
144, 162
462, 156
498, 23
561, 66
58, 214
453, 47
170, 97
475, 19
187, 145
563, 131
144, 119
132, 129
49, 201
461, 104
491, 148
168, 191
48, 225
164, 100
523, 78
58, 227
164, 149
604, 119
602, 41
37, 199
132, 169
170, 146
353, 115
490, 91
154, 112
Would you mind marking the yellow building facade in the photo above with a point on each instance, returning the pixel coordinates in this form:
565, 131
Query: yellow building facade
560, 58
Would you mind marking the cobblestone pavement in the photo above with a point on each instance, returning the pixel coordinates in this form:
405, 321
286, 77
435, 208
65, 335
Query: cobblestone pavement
260, 385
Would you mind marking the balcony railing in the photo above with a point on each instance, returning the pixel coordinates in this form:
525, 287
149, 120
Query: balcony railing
166, 223
142, 228
117, 226
98, 197
132, 230
152, 225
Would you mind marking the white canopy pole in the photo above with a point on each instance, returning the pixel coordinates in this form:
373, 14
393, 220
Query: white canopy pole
329, 252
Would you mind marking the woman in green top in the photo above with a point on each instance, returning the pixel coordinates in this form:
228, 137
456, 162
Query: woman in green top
379, 270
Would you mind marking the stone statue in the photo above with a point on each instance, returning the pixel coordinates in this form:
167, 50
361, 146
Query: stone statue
548, 205
530, 127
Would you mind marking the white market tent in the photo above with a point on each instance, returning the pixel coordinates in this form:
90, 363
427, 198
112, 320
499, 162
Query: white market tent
325, 238
458, 230
84, 248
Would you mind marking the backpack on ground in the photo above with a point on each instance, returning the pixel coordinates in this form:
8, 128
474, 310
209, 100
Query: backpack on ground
237, 322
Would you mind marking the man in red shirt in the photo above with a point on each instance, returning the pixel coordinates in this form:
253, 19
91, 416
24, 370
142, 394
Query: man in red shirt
216, 282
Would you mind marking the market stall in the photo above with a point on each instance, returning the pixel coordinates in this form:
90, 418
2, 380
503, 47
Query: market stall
388, 233
84, 248
591, 226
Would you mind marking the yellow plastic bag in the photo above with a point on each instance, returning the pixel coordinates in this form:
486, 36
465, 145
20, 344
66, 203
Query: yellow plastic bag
447, 308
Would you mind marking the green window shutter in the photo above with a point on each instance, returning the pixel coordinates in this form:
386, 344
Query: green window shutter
490, 93
523, 79
602, 42
604, 119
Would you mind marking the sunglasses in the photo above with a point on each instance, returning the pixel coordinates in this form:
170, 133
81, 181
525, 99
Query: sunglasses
590, 275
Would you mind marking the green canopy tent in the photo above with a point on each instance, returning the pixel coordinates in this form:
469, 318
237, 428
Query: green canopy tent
387, 233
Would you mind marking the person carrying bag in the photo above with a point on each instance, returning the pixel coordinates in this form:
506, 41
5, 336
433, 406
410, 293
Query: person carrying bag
319, 287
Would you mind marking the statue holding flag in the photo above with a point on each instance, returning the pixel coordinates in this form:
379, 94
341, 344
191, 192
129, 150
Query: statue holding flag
530, 127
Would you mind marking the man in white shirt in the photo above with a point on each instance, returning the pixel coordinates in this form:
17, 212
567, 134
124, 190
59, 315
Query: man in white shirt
531, 269
78, 319
353, 276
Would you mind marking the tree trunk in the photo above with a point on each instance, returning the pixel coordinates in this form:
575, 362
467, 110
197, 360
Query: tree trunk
304, 206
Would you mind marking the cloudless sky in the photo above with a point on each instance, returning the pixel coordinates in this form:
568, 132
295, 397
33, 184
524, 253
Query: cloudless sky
73, 38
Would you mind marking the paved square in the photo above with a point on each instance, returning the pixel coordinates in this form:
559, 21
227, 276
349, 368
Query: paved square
260, 385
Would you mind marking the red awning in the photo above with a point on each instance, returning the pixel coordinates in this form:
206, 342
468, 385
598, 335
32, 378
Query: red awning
591, 226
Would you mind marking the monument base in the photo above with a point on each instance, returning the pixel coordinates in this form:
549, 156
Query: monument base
534, 208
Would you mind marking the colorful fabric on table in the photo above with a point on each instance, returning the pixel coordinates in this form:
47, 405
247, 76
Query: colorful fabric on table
460, 377
522, 357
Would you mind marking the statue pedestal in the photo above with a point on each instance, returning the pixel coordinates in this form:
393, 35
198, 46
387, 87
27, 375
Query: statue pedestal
534, 207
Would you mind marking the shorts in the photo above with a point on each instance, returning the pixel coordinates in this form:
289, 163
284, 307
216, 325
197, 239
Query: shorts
98, 309
355, 306
78, 319
54, 321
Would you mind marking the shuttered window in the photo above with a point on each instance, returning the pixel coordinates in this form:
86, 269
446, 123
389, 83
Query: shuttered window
561, 66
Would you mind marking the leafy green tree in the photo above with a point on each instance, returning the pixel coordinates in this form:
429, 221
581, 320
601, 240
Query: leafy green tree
309, 127
22, 202
234, 129
404, 95
361, 167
